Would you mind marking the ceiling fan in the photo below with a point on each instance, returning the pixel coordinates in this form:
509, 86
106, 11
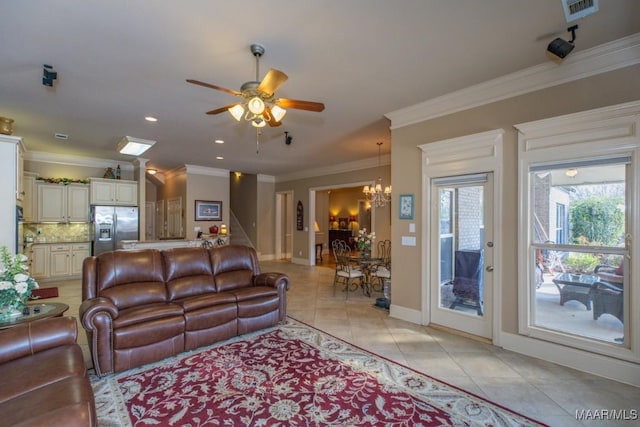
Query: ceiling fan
259, 104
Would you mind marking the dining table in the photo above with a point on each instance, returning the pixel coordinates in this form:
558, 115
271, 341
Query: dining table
367, 266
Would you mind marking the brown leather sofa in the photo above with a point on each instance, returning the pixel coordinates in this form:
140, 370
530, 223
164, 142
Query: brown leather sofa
43, 376
145, 305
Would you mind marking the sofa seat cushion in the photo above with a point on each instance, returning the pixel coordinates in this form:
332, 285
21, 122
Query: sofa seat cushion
206, 300
257, 301
68, 402
208, 318
146, 313
151, 332
254, 292
26, 374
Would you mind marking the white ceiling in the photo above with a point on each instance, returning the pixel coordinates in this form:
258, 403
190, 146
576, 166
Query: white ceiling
121, 60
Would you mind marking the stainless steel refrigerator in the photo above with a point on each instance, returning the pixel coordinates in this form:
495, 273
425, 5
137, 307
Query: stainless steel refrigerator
111, 225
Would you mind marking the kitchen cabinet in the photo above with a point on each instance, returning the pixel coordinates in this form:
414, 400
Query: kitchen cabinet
39, 261
62, 203
79, 251
57, 259
114, 192
60, 260
29, 210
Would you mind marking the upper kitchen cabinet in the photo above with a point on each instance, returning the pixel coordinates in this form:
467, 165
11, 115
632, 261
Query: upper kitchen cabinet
29, 211
114, 192
63, 203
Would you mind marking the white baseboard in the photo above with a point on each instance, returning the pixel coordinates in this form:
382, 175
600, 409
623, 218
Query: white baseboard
406, 314
596, 364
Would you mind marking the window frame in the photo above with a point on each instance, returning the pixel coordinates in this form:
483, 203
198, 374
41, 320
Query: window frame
593, 135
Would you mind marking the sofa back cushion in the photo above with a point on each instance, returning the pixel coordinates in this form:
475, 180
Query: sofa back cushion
130, 278
234, 266
187, 272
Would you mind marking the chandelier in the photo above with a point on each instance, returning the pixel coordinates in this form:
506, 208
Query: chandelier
375, 194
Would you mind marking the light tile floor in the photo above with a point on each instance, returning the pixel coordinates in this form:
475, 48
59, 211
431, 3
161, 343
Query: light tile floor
539, 389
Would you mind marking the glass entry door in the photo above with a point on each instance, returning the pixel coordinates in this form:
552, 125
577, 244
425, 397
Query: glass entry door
462, 255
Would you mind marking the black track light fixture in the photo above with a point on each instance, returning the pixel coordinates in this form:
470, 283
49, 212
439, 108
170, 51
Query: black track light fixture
560, 47
287, 139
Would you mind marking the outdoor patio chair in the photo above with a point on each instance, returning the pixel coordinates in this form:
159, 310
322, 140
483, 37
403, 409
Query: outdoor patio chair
607, 298
467, 280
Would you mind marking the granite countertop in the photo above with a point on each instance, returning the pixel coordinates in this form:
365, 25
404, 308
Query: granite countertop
45, 241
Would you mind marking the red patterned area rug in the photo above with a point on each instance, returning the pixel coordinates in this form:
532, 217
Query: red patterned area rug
291, 375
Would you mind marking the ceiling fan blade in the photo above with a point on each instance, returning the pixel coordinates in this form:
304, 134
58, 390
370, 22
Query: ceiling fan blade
300, 105
272, 81
268, 115
222, 109
210, 86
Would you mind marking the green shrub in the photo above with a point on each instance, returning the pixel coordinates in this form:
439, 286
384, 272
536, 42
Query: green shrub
581, 262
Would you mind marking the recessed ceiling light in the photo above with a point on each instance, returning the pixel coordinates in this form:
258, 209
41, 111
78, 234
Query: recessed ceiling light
219, 141
219, 158
151, 119
152, 171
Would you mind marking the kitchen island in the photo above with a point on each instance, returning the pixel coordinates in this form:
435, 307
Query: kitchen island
209, 241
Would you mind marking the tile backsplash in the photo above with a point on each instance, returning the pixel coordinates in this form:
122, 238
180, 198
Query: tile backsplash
57, 232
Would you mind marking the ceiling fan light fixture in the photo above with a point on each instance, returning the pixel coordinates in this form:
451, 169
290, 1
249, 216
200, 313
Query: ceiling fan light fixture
258, 122
277, 113
237, 111
256, 105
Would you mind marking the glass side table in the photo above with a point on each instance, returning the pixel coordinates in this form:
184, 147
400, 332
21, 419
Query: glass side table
36, 311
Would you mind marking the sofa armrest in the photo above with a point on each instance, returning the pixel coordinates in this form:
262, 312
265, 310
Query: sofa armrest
275, 280
34, 337
92, 307
96, 315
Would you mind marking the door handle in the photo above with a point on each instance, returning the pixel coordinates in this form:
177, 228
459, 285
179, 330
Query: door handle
489, 268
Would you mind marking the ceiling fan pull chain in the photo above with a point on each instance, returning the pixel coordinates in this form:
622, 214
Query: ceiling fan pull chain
257, 141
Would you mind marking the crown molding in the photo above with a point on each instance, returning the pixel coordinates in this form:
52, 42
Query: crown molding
611, 56
204, 170
266, 178
70, 160
369, 163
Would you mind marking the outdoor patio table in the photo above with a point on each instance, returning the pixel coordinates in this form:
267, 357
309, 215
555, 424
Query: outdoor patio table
575, 287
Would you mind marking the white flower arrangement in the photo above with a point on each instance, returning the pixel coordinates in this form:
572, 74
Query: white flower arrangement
15, 283
364, 240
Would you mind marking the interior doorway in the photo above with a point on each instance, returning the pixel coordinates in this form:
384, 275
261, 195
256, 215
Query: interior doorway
284, 225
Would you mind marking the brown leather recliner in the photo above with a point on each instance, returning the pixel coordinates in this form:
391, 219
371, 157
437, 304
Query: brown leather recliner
43, 376
141, 306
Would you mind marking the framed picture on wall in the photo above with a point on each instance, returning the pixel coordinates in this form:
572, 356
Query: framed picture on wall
207, 210
343, 223
406, 206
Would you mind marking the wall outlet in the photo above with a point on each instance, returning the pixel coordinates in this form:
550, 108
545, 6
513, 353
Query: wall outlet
39, 231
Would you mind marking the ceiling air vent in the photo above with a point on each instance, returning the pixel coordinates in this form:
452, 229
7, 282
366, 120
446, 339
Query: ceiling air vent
576, 9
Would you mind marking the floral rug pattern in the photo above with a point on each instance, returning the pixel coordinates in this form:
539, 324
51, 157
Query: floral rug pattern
291, 375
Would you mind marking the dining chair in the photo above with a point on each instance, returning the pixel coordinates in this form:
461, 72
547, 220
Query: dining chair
346, 272
382, 271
